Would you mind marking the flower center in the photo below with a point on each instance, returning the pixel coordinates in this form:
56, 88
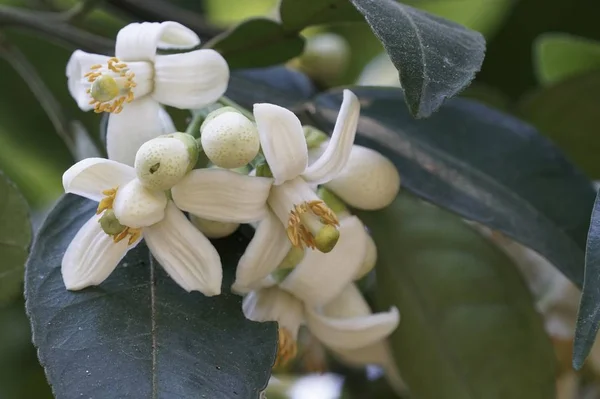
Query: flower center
287, 348
111, 86
313, 224
109, 222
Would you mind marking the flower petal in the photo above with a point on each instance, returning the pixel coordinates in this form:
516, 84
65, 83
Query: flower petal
88, 178
188, 256
335, 157
284, 197
78, 65
347, 323
320, 277
273, 304
91, 256
190, 80
139, 41
136, 206
138, 122
268, 248
223, 195
282, 141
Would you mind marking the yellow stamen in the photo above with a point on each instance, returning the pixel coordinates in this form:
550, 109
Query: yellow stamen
287, 348
313, 224
107, 202
112, 87
134, 235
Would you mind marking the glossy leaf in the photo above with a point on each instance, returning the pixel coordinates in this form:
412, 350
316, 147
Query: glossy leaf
15, 237
469, 328
559, 56
568, 113
480, 163
436, 58
138, 334
257, 42
588, 318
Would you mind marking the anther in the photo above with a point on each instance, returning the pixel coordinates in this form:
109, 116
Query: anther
287, 348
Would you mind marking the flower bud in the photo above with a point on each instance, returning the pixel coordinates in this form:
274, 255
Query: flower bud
314, 137
325, 57
369, 180
216, 113
162, 162
212, 228
230, 140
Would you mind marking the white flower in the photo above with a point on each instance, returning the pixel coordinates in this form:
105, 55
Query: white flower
369, 181
345, 325
297, 215
128, 211
132, 84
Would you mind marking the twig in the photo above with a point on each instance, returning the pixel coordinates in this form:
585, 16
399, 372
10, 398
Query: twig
160, 10
44, 95
79, 10
47, 23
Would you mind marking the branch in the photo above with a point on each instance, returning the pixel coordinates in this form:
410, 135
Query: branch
44, 95
160, 10
47, 23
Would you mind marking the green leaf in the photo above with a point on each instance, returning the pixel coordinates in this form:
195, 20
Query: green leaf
559, 56
299, 14
257, 43
588, 318
469, 328
139, 334
568, 113
480, 163
15, 237
436, 58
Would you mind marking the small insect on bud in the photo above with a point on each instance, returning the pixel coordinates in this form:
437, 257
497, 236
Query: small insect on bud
162, 162
369, 181
325, 57
229, 139
214, 229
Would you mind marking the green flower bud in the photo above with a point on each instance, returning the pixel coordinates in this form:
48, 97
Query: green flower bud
325, 57
212, 228
314, 137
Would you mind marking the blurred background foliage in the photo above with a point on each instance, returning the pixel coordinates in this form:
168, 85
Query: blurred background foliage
542, 56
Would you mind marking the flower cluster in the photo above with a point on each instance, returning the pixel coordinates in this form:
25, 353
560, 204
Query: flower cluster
291, 182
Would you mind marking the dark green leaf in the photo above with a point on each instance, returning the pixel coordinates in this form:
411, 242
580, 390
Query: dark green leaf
559, 56
469, 328
299, 14
568, 113
481, 164
277, 85
588, 319
15, 237
139, 334
436, 58
257, 43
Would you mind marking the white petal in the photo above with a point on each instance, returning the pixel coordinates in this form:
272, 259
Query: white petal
273, 304
292, 192
282, 141
138, 122
268, 248
190, 80
136, 206
321, 277
223, 195
79, 64
188, 256
139, 41
91, 256
88, 178
335, 157
350, 332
